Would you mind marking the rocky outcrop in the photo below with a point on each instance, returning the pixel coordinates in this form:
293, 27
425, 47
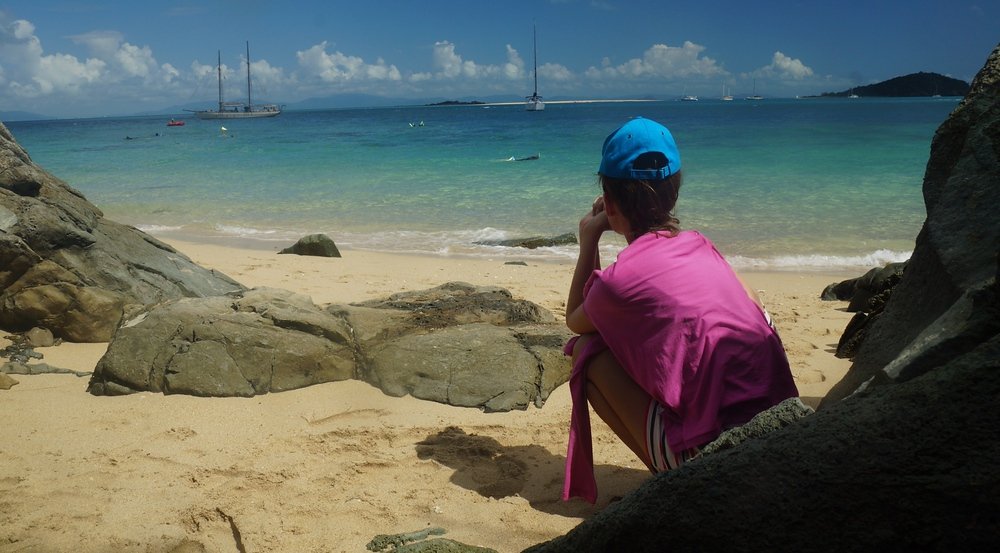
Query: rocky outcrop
66, 268
955, 256
456, 344
901, 455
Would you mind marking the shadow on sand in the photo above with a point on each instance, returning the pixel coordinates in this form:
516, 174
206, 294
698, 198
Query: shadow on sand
485, 466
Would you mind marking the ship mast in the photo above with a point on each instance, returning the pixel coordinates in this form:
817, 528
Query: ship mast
219, 67
534, 37
249, 97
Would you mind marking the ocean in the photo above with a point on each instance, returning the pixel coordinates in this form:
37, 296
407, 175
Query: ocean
790, 184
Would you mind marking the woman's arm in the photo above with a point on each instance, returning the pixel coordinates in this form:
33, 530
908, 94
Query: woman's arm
592, 226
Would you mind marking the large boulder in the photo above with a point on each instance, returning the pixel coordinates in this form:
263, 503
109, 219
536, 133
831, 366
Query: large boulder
902, 454
64, 267
955, 255
244, 344
464, 345
456, 344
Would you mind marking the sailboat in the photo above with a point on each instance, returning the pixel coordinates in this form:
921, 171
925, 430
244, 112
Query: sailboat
239, 110
754, 96
726, 97
534, 102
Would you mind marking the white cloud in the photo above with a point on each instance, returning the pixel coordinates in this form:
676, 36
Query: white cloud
784, 67
124, 60
29, 72
555, 72
338, 67
449, 65
661, 62
514, 68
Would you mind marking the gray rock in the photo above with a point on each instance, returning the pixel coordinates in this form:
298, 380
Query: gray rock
534, 242
65, 267
858, 291
456, 344
781, 415
15, 367
253, 342
319, 245
7, 382
39, 338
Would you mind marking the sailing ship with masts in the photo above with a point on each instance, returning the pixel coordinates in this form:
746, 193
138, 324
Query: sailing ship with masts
534, 102
239, 110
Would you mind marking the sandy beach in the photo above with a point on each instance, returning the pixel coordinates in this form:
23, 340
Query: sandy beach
328, 467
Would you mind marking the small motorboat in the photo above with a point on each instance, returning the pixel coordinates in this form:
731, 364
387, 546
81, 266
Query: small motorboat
175, 123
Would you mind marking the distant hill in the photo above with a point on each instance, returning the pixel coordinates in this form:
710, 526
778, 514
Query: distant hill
915, 84
21, 116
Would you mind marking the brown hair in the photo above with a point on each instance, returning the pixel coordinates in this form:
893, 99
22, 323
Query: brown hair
647, 204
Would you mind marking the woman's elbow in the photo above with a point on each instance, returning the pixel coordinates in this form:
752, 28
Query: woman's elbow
579, 323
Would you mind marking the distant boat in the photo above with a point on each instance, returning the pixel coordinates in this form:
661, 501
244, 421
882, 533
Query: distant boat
175, 123
754, 96
239, 110
689, 98
534, 102
726, 97
852, 94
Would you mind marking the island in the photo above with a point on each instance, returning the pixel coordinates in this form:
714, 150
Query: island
907, 86
458, 103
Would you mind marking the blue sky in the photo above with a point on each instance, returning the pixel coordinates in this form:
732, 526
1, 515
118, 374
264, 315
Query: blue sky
108, 57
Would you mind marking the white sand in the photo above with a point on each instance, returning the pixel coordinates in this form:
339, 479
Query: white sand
328, 467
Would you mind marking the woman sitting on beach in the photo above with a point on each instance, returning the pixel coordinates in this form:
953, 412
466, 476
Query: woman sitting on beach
674, 348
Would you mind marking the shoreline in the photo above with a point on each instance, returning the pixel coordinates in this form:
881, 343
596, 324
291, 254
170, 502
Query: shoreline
328, 467
845, 267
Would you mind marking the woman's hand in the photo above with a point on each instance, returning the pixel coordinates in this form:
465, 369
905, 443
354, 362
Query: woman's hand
594, 223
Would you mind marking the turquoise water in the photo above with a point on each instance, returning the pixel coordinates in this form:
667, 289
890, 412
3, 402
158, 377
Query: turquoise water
776, 184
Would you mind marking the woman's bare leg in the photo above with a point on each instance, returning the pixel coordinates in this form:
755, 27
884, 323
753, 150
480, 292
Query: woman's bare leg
618, 400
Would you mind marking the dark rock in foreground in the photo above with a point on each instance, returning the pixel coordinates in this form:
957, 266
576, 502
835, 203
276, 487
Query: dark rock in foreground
868, 296
66, 268
456, 344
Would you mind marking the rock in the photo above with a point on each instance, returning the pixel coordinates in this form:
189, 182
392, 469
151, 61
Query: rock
319, 245
7, 382
859, 290
461, 345
533, 242
901, 455
14, 367
868, 305
63, 266
417, 542
763, 423
244, 344
456, 344
39, 338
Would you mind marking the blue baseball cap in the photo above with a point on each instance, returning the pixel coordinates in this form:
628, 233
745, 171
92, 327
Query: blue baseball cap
641, 149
